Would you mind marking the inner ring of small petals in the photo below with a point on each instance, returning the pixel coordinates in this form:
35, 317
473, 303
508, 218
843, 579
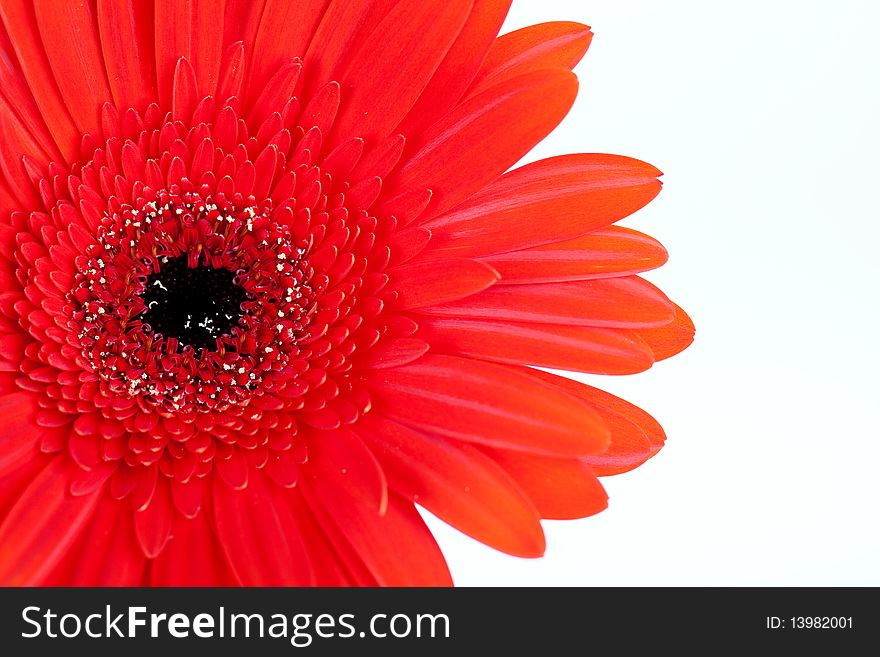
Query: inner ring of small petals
114, 299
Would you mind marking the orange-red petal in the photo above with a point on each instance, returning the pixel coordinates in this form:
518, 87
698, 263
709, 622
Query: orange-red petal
612, 251
32, 544
578, 348
635, 435
544, 202
259, 535
561, 489
532, 48
489, 133
420, 284
458, 484
670, 339
489, 404
626, 302
379, 85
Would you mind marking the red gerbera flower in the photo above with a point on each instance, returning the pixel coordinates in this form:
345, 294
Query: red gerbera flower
265, 285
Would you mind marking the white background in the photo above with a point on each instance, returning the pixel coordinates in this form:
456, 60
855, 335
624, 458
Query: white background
764, 117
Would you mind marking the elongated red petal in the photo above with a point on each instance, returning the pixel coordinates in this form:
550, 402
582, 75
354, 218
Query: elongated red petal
206, 34
576, 348
19, 434
173, 40
671, 339
458, 484
348, 469
110, 554
627, 302
459, 67
15, 142
612, 251
420, 284
31, 544
125, 27
153, 523
259, 535
635, 435
393, 353
193, 556
397, 548
285, 31
489, 404
14, 89
379, 85
344, 28
69, 32
305, 504
544, 202
490, 132
242, 19
532, 48
328, 565
21, 24
561, 489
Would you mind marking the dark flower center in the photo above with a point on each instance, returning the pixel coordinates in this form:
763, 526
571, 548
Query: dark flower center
196, 305
190, 302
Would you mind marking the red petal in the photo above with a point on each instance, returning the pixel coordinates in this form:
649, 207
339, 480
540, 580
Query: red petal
380, 86
460, 65
42, 525
548, 45
330, 568
185, 94
17, 93
286, 28
488, 133
283, 469
635, 435
394, 353
233, 470
671, 339
562, 489
343, 29
242, 20
259, 535
420, 284
127, 41
19, 434
544, 202
577, 348
110, 555
627, 302
488, 404
187, 496
172, 41
613, 251
18, 15
398, 548
458, 484
341, 549
206, 43
153, 524
69, 32
192, 557
347, 470
407, 243
15, 142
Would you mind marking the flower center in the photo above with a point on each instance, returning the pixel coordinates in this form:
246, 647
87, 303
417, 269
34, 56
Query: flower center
195, 305
192, 303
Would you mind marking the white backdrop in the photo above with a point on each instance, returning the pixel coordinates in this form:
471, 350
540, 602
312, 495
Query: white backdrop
764, 117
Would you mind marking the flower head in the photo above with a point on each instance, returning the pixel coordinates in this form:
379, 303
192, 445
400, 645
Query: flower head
265, 286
